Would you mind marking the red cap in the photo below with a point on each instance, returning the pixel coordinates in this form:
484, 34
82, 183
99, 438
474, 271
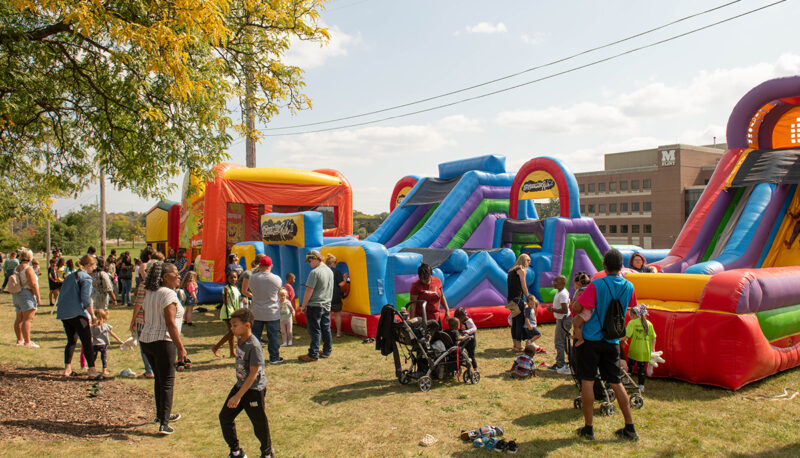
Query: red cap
266, 261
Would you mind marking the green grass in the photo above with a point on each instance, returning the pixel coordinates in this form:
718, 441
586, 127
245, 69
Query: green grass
351, 405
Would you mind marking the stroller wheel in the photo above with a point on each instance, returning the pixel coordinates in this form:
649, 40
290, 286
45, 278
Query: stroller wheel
425, 383
637, 401
578, 403
403, 378
476, 376
611, 396
607, 409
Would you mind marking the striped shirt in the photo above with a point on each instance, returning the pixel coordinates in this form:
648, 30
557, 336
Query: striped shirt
155, 326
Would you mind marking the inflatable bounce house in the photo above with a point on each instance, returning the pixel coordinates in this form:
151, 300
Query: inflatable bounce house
162, 224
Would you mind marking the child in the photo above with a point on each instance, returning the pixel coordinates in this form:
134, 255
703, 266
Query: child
189, 287
529, 331
524, 366
53, 281
248, 392
230, 303
35, 265
289, 288
642, 338
582, 280
560, 309
453, 330
100, 332
287, 313
470, 330
136, 272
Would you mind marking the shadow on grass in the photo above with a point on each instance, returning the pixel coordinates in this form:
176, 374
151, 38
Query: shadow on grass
361, 390
82, 429
786, 450
496, 353
548, 417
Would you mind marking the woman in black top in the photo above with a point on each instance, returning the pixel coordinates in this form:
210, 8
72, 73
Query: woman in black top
125, 274
518, 292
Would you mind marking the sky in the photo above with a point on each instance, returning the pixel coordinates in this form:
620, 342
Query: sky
386, 53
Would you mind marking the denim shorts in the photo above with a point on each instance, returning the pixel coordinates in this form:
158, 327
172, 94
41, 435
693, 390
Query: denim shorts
24, 301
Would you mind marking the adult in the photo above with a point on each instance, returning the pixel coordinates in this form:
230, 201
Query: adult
599, 352
518, 293
27, 301
428, 288
262, 288
111, 270
161, 337
339, 281
317, 307
137, 317
91, 251
102, 287
233, 264
76, 313
181, 263
8, 267
125, 272
639, 263
242, 281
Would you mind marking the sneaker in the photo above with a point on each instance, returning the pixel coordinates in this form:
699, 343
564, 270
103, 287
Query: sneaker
540, 350
641, 388
478, 442
511, 447
323, 355
237, 454
554, 367
623, 433
31, 345
306, 358
501, 446
290, 343
277, 361
172, 417
585, 434
490, 443
165, 430
469, 435
284, 344
564, 370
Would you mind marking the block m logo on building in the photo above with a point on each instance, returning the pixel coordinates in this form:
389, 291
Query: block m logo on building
667, 157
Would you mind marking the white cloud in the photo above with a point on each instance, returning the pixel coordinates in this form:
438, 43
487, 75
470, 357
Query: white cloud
309, 54
580, 117
459, 123
487, 27
533, 39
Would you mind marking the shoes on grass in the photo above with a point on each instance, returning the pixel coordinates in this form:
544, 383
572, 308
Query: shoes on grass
564, 370
584, 433
306, 358
623, 433
165, 430
512, 447
237, 454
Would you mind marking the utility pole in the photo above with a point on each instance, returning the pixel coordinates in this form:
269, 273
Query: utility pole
47, 241
102, 214
250, 122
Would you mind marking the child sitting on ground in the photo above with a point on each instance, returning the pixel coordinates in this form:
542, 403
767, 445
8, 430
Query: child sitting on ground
642, 339
100, 332
469, 329
524, 366
248, 392
581, 281
287, 313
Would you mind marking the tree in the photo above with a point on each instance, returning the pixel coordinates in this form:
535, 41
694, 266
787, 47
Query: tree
135, 230
548, 210
136, 88
119, 227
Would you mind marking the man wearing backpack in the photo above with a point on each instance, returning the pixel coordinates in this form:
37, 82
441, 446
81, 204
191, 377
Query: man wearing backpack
608, 299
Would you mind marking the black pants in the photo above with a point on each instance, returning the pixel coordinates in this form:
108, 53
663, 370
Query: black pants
253, 404
470, 347
639, 368
78, 328
162, 355
102, 350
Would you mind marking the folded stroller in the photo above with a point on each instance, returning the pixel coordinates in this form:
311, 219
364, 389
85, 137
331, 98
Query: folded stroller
421, 344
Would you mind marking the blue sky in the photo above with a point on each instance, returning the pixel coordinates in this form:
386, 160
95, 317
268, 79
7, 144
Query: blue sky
385, 53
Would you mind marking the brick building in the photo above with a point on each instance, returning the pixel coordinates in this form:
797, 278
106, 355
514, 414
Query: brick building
644, 197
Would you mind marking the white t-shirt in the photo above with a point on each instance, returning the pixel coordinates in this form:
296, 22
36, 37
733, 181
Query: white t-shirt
155, 326
562, 297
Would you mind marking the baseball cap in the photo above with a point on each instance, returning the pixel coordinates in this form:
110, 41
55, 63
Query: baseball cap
266, 261
313, 254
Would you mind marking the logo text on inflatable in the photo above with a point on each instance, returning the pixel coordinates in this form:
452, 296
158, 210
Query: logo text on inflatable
538, 185
282, 230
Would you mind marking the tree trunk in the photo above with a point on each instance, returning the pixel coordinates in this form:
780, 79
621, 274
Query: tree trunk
102, 214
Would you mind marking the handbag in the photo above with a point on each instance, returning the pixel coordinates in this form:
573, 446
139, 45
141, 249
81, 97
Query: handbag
514, 308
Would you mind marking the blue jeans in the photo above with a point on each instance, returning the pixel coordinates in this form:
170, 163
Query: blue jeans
318, 321
273, 339
125, 290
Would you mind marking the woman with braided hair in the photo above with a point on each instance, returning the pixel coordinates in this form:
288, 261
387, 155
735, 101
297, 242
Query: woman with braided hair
160, 338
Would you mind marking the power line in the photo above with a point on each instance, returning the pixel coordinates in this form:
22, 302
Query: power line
553, 75
512, 75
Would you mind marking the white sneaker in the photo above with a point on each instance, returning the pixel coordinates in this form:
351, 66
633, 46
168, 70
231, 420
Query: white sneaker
283, 344
290, 343
641, 388
563, 370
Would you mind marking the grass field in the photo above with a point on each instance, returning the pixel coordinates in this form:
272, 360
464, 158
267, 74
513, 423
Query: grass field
351, 405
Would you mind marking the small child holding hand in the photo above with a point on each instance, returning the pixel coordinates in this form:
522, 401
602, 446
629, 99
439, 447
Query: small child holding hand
100, 332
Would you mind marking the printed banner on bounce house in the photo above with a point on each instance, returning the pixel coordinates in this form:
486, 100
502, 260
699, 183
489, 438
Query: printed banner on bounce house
301, 229
538, 185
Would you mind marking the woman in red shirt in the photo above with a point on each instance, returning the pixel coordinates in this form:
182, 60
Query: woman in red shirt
428, 288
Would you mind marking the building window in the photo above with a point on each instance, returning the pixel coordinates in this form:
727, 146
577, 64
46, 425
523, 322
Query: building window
691, 197
647, 184
623, 185
612, 229
602, 228
612, 186
591, 187
612, 208
623, 207
583, 209
635, 228
635, 207
601, 187
582, 187
601, 208
648, 228
591, 208
634, 185
623, 228
648, 206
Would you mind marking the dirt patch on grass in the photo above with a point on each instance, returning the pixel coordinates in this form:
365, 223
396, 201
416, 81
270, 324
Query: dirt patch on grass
37, 404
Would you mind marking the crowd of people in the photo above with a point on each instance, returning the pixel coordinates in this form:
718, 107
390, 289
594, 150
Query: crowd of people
256, 300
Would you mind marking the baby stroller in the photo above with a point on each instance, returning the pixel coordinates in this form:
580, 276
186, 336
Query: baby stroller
431, 352
603, 393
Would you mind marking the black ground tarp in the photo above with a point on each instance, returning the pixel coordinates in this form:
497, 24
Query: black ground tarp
433, 256
513, 226
779, 166
431, 191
